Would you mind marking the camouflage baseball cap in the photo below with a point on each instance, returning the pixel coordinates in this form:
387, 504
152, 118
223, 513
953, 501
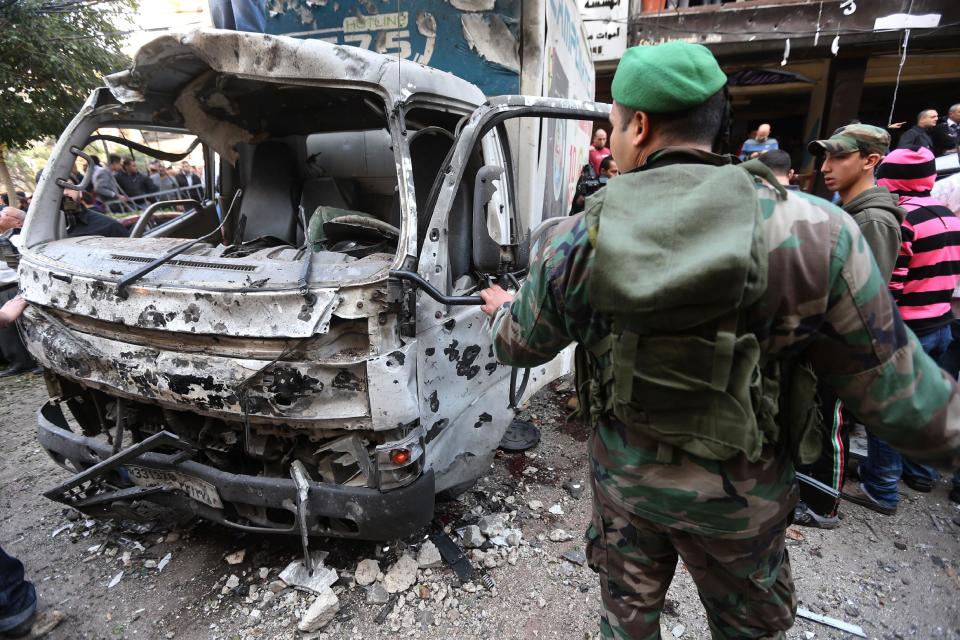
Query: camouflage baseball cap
854, 137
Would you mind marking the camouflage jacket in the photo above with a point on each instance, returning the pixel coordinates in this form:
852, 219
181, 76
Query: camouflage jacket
825, 298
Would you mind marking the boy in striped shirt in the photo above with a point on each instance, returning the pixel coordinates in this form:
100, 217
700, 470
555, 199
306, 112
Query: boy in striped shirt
924, 278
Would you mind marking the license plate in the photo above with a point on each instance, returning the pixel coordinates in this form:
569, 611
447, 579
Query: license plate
199, 490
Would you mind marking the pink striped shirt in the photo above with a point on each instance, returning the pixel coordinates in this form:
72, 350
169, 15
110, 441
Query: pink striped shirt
928, 267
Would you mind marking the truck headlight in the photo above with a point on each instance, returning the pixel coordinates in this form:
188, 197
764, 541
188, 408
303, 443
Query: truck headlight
400, 462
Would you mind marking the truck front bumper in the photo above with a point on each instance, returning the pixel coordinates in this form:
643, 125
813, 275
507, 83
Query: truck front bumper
333, 510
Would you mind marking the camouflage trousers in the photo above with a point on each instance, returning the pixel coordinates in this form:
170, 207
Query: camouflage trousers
744, 585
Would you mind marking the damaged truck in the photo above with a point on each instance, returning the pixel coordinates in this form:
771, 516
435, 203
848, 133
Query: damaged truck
301, 350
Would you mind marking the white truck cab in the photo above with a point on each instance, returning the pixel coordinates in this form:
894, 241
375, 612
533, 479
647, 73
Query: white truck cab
300, 350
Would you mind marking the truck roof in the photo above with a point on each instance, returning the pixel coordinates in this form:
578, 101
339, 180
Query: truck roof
166, 64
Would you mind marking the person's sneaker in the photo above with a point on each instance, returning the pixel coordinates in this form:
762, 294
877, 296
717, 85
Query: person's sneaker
858, 494
918, 484
807, 517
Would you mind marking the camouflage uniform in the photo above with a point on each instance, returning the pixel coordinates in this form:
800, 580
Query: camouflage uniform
726, 519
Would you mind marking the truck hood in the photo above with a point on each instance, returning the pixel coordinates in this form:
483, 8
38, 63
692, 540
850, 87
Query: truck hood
255, 296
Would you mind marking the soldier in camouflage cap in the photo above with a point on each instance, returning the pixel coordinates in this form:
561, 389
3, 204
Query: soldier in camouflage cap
692, 288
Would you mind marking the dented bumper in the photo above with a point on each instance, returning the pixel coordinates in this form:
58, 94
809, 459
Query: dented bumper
251, 503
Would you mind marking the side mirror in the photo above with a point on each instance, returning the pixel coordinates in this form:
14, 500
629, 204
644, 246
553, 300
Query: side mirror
487, 249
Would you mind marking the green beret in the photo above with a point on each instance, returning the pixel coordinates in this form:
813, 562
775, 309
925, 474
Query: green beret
667, 77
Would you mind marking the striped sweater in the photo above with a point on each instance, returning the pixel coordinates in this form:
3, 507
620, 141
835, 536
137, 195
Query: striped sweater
928, 267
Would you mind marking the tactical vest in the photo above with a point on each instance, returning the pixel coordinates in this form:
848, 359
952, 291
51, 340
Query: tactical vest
680, 260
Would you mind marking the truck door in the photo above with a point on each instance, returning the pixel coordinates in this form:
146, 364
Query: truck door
476, 234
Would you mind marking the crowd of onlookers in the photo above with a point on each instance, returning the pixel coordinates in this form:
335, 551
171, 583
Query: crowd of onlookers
114, 189
121, 186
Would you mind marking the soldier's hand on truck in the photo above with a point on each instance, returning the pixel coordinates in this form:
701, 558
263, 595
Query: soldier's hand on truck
11, 310
494, 298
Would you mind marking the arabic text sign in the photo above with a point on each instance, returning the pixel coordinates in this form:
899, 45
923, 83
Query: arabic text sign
606, 24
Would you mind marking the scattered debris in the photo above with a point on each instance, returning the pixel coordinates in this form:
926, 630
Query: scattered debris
507, 538
493, 524
46, 621
429, 557
576, 556
900, 545
488, 582
367, 572
453, 556
232, 582
115, 581
60, 530
472, 537
678, 630
795, 534
236, 557
376, 594
556, 510
322, 611
385, 611
559, 535
402, 575
535, 505
575, 489
297, 575
164, 562
831, 622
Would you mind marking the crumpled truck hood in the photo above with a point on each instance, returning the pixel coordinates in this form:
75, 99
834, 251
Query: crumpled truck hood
180, 306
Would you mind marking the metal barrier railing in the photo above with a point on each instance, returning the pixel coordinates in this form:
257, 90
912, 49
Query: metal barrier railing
136, 204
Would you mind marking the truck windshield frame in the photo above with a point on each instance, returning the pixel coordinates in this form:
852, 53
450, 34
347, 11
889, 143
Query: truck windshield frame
101, 111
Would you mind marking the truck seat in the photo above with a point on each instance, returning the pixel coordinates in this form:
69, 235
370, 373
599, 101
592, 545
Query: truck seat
269, 203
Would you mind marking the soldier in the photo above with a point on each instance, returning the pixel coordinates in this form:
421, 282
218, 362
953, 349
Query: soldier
700, 319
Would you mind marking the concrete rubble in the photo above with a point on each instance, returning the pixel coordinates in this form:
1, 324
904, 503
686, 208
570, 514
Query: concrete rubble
366, 572
322, 611
297, 575
429, 557
559, 535
402, 575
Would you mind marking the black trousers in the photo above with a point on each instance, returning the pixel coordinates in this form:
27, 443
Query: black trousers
11, 344
830, 467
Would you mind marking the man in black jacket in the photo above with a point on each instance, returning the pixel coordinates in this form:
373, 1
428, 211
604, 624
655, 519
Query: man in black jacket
191, 186
133, 182
919, 134
946, 134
